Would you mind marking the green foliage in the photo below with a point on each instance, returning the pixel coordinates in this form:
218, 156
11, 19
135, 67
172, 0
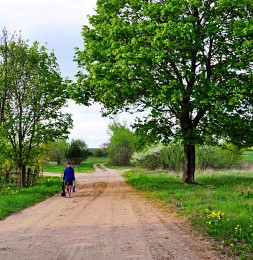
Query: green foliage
215, 204
171, 157
159, 156
181, 58
188, 63
148, 158
98, 153
56, 151
121, 145
248, 156
226, 156
33, 94
77, 151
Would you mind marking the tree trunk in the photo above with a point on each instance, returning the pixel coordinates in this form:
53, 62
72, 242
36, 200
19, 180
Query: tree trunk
23, 175
189, 163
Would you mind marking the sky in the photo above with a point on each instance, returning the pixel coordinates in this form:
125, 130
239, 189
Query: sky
58, 24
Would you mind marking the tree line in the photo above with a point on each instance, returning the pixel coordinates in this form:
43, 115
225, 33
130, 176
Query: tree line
128, 148
61, 151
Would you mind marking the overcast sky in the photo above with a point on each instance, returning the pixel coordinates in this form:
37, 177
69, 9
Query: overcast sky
58, 23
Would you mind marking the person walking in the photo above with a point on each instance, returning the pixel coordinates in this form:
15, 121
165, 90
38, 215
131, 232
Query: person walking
69, 177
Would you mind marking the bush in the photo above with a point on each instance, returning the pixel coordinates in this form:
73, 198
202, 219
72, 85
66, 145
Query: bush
160, 156
77, 151
121, 145
98, 153
149, 158
225, 156
170, 157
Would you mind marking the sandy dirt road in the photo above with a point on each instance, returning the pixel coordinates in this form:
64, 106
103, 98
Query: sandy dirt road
105, 219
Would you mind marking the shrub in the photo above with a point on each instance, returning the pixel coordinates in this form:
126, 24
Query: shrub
98, 153
160, 156
148, 158
77, 151
170, 157
225, 156
121, 145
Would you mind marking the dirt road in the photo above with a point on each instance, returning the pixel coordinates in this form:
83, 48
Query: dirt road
105, 219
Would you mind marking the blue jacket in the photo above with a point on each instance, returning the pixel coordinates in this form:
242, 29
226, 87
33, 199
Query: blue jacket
69, 174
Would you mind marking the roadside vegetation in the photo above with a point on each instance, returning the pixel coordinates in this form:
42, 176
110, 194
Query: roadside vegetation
220, 204
16, 199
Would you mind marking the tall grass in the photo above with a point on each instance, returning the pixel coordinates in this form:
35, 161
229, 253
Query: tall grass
220, 204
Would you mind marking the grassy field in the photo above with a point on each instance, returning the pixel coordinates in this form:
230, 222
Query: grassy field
86, 166
220, 204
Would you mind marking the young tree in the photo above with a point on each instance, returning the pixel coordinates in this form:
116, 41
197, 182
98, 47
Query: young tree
190, 62
121, 145
77, 151
56, 151
32, 112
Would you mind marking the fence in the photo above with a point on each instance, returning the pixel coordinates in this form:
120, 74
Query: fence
13, 179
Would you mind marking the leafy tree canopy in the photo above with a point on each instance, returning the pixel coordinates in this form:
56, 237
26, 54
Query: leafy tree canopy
56, 151
189, 61
77, 151
33, 93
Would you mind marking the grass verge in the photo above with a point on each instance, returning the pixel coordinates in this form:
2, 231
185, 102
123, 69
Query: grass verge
13, 200
220, 204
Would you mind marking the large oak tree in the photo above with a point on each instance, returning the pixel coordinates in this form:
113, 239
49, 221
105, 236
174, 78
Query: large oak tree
189, 62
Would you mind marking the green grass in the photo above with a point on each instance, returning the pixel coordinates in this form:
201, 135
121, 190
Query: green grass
220, 204
86, 166
248, 157
13, 200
